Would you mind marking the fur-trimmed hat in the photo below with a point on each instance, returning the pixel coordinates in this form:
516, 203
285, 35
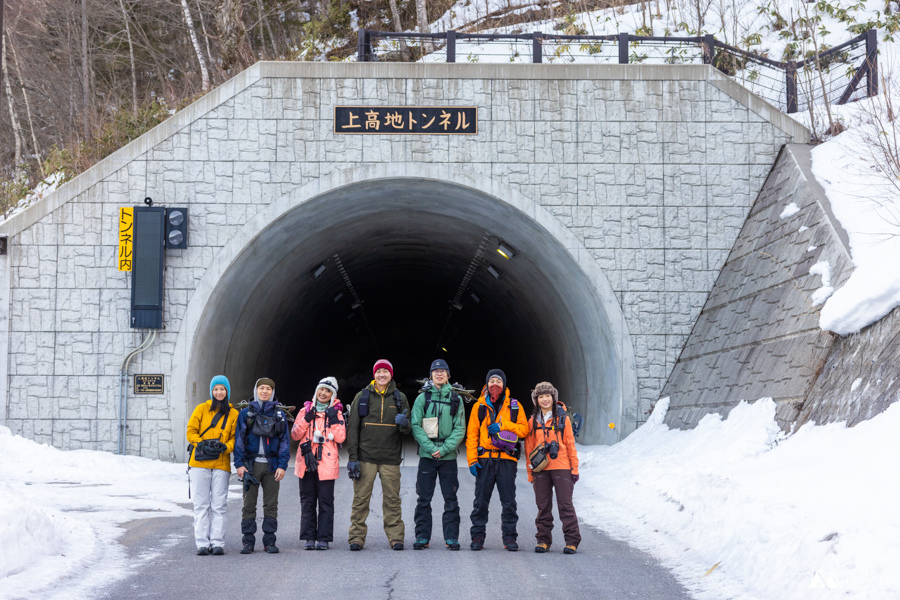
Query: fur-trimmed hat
544, 387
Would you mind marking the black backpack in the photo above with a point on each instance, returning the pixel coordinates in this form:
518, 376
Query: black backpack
454, 403
363, 406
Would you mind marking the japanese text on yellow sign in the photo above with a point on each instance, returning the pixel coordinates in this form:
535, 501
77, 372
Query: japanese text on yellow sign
126, 238
448, 120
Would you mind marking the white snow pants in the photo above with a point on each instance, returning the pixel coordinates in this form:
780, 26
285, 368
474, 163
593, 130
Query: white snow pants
209, 491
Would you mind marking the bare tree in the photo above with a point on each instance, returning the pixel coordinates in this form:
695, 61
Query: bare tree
37, 149
85, 72
11, 102
232, 35
204, 71
422, 17
134, 98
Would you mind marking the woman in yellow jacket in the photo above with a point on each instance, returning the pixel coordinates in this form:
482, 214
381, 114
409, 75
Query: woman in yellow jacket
550, 429
495, 425
211, 422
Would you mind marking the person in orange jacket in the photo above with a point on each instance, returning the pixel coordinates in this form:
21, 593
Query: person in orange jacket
550, 427
492, 450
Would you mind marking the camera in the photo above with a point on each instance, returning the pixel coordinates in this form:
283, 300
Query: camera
318, 438
554, 449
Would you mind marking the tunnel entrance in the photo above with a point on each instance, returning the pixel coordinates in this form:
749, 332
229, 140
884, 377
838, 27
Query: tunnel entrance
407, 269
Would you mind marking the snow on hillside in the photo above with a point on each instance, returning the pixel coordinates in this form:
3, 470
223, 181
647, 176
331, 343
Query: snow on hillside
60, 514
738, 511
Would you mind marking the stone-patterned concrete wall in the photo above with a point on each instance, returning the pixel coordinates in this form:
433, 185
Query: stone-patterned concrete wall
860, 378
758, 334
653, 168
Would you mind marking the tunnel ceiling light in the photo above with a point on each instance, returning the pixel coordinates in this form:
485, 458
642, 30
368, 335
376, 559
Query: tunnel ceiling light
356, 305
505, 250
444, 349
457, 305
475, 297
351, 315
339, 296
494, 272
317, 272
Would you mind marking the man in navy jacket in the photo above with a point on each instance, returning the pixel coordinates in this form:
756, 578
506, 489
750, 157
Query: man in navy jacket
261, 449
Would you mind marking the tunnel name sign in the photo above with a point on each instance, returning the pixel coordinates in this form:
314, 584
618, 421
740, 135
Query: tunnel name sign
416, 120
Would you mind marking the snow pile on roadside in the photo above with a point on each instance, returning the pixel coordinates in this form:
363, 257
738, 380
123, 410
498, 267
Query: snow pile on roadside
60, 511
42, 189
782, 518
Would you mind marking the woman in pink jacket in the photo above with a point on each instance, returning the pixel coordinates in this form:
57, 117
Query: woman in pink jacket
319, 430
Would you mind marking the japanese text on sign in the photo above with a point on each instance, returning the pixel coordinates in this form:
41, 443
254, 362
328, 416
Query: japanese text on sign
149, 384
447, 120
126, 238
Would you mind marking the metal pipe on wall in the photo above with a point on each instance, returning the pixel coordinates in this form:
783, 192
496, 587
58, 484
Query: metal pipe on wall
123, 387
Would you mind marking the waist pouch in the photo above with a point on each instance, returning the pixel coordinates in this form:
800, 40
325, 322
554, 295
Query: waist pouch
430, 426
208, 450
538, 458
505, 441
265, 426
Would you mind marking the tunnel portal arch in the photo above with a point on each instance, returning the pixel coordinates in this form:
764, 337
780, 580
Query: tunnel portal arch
405, 242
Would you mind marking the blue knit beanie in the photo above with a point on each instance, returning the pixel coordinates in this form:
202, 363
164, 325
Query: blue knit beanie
220, 380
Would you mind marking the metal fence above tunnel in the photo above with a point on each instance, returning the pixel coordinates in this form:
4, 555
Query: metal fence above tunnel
834, 75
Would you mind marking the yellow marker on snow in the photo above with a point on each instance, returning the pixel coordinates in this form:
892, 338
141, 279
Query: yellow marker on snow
612, 425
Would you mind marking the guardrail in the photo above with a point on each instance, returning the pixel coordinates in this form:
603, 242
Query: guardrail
835, 74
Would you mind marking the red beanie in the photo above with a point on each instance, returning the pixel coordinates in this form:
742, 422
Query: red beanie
383, 363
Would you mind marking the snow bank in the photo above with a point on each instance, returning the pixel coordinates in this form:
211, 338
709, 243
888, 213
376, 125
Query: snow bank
781, 518
60, 511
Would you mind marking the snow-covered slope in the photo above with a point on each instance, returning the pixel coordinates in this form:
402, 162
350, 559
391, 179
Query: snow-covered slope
60, 514
779, 519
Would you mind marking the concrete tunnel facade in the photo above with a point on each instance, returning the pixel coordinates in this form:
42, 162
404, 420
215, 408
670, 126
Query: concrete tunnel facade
405, 244
622, 188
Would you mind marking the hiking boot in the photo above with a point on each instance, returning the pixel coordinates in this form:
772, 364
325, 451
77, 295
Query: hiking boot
322, 546
452, 545
420, 544
569, 550
511, 546
354, 547
310, 545
477, 543
217, 551
203, 551
247, 548
541, 548
273, 549
396, 545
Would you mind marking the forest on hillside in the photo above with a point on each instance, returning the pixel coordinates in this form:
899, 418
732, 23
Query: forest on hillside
80, 78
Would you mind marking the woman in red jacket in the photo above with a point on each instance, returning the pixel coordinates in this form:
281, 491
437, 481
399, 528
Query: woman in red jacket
551, 429
319, 430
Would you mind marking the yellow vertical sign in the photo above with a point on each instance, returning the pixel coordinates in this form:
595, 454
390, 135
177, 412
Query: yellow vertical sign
126, 238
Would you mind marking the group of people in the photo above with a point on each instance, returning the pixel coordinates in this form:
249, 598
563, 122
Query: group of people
372, 431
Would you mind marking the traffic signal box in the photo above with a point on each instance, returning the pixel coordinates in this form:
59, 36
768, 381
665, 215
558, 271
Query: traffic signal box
155, 230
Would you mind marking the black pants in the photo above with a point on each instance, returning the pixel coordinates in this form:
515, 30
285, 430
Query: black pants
502, 473
429, 470
316, 525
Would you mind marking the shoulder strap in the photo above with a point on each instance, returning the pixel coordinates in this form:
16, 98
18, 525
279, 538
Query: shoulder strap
427, 402
513, 410
454, 404
214, 421
363, 407
398, 402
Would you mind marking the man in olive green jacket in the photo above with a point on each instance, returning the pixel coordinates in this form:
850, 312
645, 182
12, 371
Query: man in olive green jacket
439, 425
379, 415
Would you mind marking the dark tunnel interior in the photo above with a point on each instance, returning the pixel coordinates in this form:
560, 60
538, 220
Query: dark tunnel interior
411, 273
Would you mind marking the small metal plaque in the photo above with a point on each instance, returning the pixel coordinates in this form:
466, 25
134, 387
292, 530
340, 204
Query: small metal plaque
416, 120
149, 384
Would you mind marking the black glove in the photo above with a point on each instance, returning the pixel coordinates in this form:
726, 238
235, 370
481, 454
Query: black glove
310, 415
401, 419
353, 471
331, 416
249, 480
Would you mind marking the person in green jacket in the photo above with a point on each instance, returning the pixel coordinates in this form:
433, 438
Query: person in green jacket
439, 425
379, 416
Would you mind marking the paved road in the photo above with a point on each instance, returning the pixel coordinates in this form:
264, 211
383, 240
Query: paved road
603, 568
